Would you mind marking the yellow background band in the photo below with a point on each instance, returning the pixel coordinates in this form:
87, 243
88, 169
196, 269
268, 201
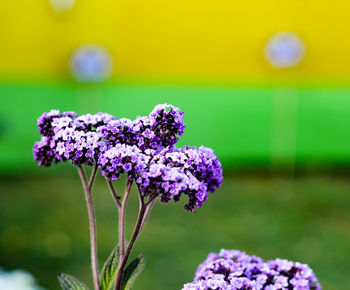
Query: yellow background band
175, 39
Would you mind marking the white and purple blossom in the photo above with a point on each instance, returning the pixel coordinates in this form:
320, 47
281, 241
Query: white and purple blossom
90, 122
235, 270
69, 137
167, 123
158, 130
45, 122
118, 131
122, 158
190, 171
143, 149
201, 163
170, 183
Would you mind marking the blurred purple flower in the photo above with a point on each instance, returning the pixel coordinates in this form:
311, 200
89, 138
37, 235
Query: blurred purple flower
234, 270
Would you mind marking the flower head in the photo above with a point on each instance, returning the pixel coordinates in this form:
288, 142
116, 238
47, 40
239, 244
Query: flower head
202, 163
232, 269
143, 149
45, 122
170, 183
122, 158
118, 131
69, 137
156, 131
167, 123
43, 153
90, 122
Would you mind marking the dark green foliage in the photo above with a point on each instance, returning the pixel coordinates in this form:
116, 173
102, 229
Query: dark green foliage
69, 282
109, 270
132, 271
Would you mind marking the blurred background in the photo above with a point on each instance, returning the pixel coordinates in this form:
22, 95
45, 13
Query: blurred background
266, 84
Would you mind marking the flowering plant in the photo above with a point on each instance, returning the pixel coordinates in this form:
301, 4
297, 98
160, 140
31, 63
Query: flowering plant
144, 150
233, 270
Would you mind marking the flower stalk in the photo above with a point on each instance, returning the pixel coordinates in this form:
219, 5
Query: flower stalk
114, 194
92, 222
122, 210
138, 227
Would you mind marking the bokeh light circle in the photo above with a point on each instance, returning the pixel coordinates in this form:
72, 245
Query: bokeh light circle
91, 63
284, 50
62, 5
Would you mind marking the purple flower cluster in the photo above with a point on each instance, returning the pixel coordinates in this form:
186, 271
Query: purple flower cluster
169, 183
143, 149
156, 131
234, 270
201, 162
122, 158
67, 136
43, 152
165, 120
188, 170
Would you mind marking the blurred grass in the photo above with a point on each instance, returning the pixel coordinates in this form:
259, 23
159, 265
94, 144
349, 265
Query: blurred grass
43, 227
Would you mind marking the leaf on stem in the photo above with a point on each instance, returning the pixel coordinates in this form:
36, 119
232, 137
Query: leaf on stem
132, 271
109, 270
69, 282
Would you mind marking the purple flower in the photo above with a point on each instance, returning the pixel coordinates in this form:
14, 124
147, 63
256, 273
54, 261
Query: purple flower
122, 158
170, 183
143, 148
232, 269
168, 172
201, 163
77, 146
42, 152
67, 136
90, 122
167, 122
156, 131
45, 122
118, 131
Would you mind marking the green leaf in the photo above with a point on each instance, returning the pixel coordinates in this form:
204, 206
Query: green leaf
69, 282
131, 272
109, 270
